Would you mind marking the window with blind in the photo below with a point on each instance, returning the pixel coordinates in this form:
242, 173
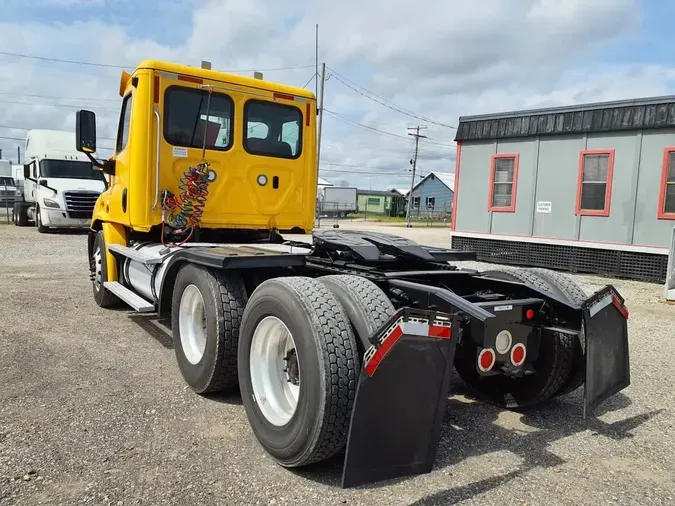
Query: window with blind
667, 192
503, 181
594, 186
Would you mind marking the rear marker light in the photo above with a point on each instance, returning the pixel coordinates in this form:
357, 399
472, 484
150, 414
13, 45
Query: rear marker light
518, 354
529, 314
486, 360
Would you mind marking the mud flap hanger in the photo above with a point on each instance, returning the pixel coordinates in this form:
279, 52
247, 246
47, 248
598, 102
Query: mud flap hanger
401, 398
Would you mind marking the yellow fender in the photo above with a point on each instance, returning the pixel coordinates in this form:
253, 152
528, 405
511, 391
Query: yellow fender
113, 233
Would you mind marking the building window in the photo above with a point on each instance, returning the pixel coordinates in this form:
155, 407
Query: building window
272, 129
503, 183
416, 201
667, 190
373, 201
431, 202
185, 118
594, 185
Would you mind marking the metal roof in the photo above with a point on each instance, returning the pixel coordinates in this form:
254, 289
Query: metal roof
379, 193
447, 178
614, 116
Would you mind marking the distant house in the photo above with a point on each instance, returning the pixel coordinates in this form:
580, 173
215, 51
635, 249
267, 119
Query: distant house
388, 203
434, 194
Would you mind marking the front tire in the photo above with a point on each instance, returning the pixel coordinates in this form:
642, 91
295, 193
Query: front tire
38, 221
98, 266
206, 311
311, 424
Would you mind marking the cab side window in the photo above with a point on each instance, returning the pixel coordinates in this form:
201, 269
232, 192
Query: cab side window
272, 129
125, 123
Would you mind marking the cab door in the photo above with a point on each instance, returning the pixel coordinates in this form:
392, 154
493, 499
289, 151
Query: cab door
196, 151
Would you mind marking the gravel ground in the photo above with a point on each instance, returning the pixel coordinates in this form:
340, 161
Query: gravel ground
93, 410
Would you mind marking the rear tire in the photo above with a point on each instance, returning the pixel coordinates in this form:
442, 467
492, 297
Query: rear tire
98, 267
366, 305
206, 311
553, 365
571, 291
324, 361
20, 215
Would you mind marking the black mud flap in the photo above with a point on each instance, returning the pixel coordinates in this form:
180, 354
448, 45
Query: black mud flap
401, 399
607, 358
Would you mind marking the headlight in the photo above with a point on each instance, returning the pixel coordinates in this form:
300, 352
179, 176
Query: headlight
50, 203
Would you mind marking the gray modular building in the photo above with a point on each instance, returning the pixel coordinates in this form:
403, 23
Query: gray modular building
587, 188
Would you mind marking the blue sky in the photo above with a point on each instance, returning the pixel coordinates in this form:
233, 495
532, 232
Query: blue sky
436, 59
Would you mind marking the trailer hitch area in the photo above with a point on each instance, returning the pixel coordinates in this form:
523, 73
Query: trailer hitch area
605, 320
401, 398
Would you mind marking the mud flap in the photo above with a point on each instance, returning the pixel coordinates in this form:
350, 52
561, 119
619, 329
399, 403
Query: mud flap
401, 399
607, 359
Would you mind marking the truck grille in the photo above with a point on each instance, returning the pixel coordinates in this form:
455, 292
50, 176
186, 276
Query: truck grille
80, 204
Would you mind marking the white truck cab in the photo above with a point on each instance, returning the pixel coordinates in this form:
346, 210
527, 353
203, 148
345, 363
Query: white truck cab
60, 185
7, 185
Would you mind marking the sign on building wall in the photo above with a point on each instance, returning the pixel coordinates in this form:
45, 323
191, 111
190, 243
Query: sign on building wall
544, 207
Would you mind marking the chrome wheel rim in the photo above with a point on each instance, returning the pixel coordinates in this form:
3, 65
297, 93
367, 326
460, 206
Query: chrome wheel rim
192, 324
98, 268
275, 371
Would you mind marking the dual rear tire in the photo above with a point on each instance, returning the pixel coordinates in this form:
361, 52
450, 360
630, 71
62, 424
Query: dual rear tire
293, 347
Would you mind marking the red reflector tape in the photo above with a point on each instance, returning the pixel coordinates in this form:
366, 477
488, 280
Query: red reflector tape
384, 348
155, 90
190, 79
373, 356
440, 331
622, 309
283, 96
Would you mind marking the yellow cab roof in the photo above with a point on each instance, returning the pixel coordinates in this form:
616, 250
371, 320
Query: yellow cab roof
215, 75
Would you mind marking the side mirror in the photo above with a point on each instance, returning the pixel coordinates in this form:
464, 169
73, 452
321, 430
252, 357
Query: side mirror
26, 171
85, 131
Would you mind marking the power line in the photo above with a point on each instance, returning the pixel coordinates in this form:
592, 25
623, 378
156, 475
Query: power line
128, 67
68, 106
342, 117
390, 105
26, 129
59, 97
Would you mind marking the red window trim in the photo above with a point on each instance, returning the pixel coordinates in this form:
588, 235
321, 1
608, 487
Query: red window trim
662, 215
514, 187
608, 188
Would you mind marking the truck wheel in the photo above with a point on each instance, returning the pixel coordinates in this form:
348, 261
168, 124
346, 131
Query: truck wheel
553, 365
298, 369
98, 268
20, 215
38, 221
571, 291
206, 311
366, 305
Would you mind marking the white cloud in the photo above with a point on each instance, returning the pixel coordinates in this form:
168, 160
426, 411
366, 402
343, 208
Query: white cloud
439, 58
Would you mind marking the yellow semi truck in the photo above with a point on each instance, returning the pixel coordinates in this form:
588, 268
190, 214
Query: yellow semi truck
346, 343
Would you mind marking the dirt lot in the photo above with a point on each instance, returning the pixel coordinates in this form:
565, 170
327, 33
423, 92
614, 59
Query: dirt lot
93, 410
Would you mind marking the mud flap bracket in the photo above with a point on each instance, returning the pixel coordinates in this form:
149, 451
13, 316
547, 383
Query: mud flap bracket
607, 359
401, 398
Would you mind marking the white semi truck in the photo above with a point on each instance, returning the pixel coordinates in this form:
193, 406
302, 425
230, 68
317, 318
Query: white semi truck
60, 185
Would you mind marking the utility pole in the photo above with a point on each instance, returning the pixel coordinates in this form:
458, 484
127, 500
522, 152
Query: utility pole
320, 122
417, 136
18, 154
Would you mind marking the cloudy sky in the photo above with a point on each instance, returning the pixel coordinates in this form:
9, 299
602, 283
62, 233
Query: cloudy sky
391, 65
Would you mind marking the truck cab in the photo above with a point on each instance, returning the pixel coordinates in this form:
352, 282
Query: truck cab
60, 185
7, 185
